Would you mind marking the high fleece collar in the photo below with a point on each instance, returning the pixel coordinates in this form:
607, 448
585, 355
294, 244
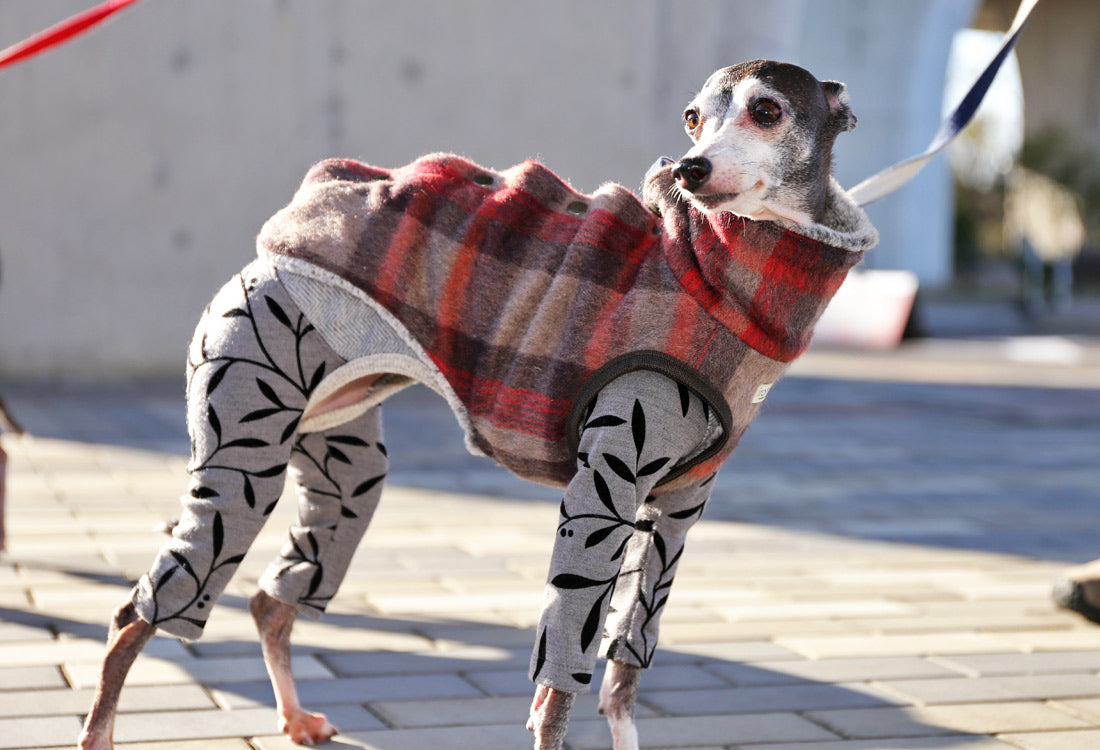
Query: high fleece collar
767, 281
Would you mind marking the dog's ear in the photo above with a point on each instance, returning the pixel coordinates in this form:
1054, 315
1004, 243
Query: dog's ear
840, 114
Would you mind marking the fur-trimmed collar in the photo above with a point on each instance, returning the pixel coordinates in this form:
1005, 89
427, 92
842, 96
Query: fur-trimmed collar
845, 224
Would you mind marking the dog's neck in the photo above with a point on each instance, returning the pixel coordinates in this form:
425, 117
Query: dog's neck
779, 212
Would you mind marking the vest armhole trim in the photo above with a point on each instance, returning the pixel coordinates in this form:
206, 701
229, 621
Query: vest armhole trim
668, 366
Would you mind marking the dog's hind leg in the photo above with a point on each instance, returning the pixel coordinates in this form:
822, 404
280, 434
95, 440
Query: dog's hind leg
127, 637
339, 475
274, 620
252, 365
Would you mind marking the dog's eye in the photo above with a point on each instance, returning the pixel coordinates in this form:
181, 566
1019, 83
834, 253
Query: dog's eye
691, 120
765, 112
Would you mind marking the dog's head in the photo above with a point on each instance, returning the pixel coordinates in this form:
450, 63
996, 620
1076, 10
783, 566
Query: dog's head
763, 135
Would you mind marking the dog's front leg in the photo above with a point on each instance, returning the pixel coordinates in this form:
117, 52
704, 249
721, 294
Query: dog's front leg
637, 431
127, 637
274, 620
618, 694
549, 717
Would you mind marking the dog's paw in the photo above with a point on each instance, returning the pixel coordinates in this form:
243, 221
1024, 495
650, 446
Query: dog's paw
305, 728
549, 717
94, 741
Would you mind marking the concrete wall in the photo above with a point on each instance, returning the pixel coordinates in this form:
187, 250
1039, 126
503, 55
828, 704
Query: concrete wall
138, 162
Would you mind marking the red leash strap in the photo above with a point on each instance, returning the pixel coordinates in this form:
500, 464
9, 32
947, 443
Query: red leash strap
61, 32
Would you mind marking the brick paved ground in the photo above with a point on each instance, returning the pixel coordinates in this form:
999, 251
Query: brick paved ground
874, 572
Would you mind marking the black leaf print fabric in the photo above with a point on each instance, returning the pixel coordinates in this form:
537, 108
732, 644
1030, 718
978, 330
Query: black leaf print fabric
648, 570
252, 364
611, 533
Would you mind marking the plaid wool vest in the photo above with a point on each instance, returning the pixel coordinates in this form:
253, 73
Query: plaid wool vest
529, 296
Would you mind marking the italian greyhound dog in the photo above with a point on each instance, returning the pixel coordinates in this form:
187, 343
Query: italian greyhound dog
760, 164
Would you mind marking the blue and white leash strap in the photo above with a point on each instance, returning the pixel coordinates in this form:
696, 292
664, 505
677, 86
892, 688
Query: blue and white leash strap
890, 179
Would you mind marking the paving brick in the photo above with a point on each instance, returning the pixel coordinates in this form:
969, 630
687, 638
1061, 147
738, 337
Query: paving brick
228, 744
894, 645
350, 718
701, 731
995, 689
1085, 708
1088, 739
321, 693
816, 610
530, 598
38, 731
15, 632
448, 637
491, 737
357, 663
1033, 663
87, 651
133, 698
752, 630
208, 744
469, 711
972, 718
1078, 638
151, 671
53, 652
761, 699
730, 651
510, 682
989, 622
955, 742
31, 678
831, 670
192, 725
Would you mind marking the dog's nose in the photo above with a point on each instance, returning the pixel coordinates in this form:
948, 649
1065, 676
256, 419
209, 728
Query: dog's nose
692, 173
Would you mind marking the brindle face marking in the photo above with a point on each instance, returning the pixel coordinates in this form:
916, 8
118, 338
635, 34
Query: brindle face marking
767, 131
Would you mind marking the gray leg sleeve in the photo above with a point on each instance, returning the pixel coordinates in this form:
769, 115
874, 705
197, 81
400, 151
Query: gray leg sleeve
253, 362
649, 565
339, 475
636, 433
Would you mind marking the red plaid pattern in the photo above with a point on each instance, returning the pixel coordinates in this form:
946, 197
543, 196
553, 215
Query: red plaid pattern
520, 289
